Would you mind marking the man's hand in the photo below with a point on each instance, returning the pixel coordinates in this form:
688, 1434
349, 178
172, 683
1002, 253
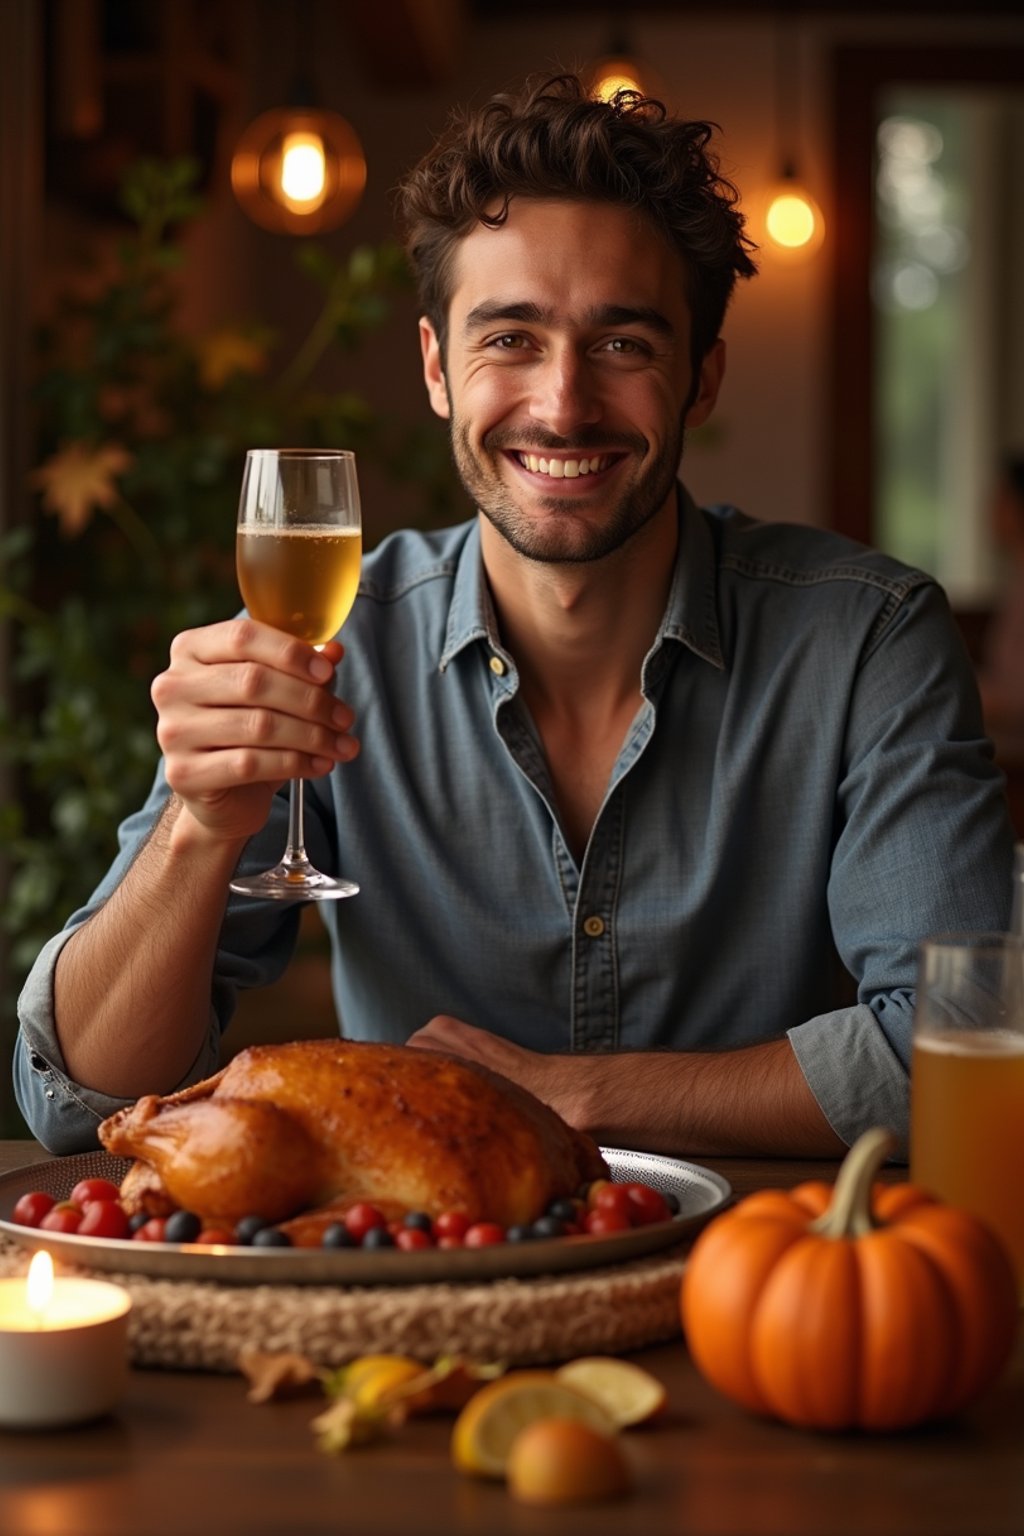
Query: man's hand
241, 709
749, 1102
555, 1079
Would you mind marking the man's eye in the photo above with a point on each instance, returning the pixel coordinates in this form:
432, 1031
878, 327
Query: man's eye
510, 342
627, 345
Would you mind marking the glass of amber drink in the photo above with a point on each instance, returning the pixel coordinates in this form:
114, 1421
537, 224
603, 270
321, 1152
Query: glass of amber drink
967, 1080
298, 549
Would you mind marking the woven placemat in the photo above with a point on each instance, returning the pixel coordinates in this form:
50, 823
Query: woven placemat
187, 1325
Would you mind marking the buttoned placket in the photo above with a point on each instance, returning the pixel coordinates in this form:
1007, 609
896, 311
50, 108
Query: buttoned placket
591, 892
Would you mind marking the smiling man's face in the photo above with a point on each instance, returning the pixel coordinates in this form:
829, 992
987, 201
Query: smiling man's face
567, 380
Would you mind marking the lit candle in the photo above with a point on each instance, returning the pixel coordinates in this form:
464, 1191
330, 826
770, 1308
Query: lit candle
63, 1348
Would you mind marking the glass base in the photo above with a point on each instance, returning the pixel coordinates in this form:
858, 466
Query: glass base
293, 882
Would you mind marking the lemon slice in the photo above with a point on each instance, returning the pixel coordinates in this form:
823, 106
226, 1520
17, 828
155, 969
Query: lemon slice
494, 1416
627, 1393
371, 1378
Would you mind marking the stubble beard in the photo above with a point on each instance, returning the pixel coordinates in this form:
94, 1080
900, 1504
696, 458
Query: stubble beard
564, 537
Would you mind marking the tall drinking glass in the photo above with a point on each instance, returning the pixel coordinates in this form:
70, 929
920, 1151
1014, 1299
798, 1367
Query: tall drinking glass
967, 1080
298, 550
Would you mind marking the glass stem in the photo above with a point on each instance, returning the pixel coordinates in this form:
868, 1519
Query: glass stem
295, 853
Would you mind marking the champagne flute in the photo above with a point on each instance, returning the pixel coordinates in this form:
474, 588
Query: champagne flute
297, 551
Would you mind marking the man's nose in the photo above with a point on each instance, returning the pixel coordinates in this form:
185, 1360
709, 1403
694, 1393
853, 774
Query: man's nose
565, 394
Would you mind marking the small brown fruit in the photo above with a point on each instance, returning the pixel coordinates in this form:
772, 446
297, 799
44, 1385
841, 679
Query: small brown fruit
564, 1461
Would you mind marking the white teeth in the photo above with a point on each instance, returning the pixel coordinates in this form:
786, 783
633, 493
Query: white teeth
561, 469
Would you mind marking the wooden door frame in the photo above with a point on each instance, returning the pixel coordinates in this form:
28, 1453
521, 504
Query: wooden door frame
859, 73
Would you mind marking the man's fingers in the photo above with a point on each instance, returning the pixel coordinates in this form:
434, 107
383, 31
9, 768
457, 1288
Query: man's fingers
209, 730
213, 773
246, 640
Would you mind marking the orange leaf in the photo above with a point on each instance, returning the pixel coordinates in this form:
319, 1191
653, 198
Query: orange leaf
79, 478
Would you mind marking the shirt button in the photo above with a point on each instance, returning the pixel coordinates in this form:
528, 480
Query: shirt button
593, 927
497, 666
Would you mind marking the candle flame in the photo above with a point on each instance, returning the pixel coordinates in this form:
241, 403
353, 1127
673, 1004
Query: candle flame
39, 1286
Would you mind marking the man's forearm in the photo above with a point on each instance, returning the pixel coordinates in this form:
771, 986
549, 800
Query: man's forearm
746, 1102
132, 986
750, 1102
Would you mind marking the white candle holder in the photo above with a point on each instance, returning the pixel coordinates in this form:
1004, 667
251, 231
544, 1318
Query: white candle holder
67, 1364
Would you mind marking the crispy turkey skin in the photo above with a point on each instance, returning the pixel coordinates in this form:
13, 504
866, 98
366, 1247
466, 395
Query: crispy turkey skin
314, 1126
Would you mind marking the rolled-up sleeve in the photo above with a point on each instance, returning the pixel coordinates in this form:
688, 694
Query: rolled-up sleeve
255, 945
924, 846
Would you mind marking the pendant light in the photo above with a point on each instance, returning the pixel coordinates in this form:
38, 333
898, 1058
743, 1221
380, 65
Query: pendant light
298, 169
793, 222
620, 70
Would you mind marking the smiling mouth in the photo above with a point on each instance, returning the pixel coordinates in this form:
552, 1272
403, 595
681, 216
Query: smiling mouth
564, 469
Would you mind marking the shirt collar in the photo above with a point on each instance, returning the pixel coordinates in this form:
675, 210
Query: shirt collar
691, 615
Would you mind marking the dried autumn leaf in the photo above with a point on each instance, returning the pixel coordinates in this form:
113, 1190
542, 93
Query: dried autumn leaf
345, 1424
446, 1387
276, 1375
79, 478
226, 352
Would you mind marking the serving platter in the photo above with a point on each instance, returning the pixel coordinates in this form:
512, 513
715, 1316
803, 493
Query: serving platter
700, 1191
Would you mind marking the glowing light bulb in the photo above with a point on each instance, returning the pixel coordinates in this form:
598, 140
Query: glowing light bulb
613, 79
793, 220
297, 171
303, 171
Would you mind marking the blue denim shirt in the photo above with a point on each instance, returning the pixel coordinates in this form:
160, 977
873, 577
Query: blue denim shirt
804, 793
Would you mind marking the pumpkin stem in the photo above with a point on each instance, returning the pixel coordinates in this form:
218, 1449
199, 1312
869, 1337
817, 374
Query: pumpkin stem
849, 1211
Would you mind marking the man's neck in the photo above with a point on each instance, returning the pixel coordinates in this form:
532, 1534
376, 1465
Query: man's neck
579, 632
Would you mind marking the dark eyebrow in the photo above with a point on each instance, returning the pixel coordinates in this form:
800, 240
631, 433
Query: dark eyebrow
498, 310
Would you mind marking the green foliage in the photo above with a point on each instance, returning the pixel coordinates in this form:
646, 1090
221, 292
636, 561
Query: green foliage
142, 436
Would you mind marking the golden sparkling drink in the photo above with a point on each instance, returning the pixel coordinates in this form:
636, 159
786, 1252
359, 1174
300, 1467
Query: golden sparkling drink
967, 1126
301, 580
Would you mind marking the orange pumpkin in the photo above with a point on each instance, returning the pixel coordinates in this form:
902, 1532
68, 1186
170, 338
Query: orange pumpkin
873, 1309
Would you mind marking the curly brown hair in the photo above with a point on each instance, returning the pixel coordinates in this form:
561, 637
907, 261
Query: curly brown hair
552, 140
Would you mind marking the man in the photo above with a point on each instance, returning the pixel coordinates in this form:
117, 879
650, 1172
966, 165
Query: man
641, 786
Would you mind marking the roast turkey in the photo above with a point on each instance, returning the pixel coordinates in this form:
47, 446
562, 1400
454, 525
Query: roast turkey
313, 1126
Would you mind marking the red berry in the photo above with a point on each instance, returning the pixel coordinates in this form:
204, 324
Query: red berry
483, 1234
362, 1218
452, 1224
449, 1242
31, 1208
409, 1238
151, 1231
600, 1223
590, 1191
61, 1218
104, 1218
211, 1236
647, 1204
88, 1190
614, 1198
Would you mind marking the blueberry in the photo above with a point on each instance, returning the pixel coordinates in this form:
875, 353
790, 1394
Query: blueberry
182, 1227
563, 1210
378, 1237
671, 1200
271, 1237
247, 1228
337, 1235
520, 1235
548, 1226
138, 1220
418, 1220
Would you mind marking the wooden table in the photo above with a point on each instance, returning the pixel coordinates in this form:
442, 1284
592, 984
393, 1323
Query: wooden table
185, 1453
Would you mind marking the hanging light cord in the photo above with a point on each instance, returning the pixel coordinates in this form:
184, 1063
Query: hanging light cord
787, 103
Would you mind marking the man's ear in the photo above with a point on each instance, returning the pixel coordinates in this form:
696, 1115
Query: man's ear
712, 372
433, 373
